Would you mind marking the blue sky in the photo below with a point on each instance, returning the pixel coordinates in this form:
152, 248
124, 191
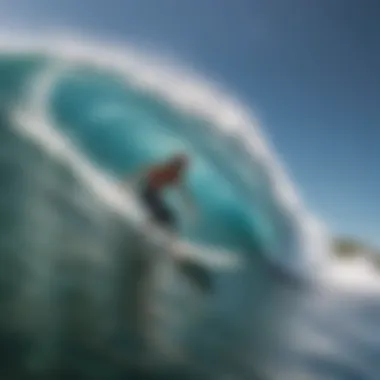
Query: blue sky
311, 70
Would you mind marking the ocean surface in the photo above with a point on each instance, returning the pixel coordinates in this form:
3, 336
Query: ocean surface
90, 289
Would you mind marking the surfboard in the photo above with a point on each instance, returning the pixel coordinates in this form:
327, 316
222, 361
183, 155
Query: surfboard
194, 261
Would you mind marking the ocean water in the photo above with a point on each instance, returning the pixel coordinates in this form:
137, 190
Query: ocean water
77, 121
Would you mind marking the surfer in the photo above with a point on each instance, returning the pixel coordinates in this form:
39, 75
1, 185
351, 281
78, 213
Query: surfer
153, 181
159, 177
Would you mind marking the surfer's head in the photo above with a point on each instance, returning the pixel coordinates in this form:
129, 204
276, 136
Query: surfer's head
180, 161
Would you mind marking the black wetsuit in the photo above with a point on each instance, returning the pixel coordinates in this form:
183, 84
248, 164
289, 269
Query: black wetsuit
159, 211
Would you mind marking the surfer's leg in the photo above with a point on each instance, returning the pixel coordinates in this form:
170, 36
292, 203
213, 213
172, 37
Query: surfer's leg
161, 214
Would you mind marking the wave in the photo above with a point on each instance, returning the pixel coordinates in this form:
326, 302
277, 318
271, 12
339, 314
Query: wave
138, 100
77, 118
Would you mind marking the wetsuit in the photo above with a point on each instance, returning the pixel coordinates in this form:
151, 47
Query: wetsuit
155, 181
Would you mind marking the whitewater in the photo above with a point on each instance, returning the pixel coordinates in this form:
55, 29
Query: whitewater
77, 119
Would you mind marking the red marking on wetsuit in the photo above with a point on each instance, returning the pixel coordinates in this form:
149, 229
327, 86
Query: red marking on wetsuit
163, 176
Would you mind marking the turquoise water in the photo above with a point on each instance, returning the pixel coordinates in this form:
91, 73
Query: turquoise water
122, 127
118, 127
124, 130
68, 291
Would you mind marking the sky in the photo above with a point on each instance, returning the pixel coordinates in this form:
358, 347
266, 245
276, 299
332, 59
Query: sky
309, 69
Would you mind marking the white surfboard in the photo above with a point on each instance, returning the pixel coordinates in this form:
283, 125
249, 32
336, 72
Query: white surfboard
194, 261
214, 257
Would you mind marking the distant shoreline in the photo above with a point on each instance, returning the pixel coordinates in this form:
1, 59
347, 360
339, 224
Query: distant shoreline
350, 248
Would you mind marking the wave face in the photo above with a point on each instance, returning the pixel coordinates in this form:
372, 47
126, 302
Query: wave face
75, 121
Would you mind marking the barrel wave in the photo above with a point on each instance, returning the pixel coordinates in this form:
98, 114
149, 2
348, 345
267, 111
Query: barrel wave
76, 121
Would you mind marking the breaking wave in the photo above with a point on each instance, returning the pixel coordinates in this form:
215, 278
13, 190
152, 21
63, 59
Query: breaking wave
79, 118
